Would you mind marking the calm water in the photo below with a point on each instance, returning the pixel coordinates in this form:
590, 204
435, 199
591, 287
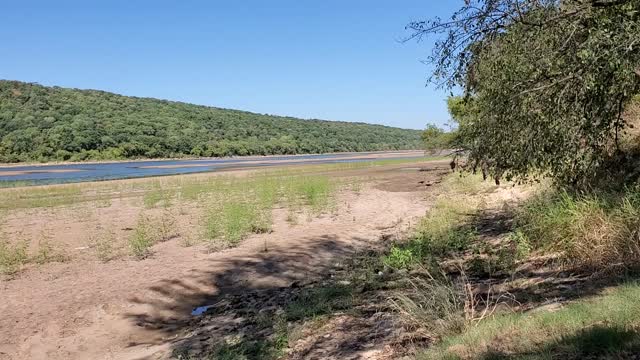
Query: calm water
135, 169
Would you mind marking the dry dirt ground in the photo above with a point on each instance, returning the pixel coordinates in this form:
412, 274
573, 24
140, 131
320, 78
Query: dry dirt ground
130, 309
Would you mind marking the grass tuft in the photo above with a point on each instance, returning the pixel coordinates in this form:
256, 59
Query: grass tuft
141, 240
589, 230
12, 256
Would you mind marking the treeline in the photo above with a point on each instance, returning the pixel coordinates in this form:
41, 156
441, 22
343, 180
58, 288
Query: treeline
39, 123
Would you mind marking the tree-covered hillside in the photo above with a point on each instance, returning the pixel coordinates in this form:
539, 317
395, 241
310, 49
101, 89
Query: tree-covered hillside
39, 123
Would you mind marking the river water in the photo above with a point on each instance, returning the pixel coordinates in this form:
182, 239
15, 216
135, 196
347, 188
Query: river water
81, 172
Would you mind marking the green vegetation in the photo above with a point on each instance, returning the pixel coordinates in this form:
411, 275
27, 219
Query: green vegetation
239, 207
40, 123
12, 257
594, 230
604, 326
545, 83
442, 230
142, 239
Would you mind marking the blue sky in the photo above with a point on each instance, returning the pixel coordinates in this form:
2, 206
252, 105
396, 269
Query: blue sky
330, 59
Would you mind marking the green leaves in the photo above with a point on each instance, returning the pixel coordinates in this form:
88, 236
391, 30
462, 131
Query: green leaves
40, 123
546, 82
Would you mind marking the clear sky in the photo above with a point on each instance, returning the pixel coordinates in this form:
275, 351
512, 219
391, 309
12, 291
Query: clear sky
327, 59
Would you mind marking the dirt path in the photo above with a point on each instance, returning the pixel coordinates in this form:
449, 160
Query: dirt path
127, 309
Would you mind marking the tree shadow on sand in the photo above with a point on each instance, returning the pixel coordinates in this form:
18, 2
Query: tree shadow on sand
258, 300
256, 305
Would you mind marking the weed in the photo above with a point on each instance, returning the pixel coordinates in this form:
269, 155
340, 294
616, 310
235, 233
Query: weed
12, 256
47, 253
407, 256
356, 186
103, 245
165, 225
592, 230
141, 241
440, 232
292, 217
187, 240
434, 304
521, 244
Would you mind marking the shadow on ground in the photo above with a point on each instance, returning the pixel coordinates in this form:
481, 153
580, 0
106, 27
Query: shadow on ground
307, 301
537, 282
259, 300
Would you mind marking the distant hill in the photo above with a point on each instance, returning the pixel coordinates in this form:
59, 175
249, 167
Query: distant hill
39, 123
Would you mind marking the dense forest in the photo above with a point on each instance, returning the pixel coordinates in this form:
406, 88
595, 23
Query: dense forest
39, 123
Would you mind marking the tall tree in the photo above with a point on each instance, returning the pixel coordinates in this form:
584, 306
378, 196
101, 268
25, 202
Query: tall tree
548, 80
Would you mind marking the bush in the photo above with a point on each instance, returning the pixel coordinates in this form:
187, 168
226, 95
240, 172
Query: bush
594, 230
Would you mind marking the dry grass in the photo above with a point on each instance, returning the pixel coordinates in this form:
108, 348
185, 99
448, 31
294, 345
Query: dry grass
595, 231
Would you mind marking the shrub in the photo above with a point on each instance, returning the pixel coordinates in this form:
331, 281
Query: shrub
141, 241
594, 230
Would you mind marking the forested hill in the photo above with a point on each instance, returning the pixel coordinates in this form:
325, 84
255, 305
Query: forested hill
39, 123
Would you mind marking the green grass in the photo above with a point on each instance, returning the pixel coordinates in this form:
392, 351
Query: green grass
5, 184
157, 196
238, 207
19, 195
12, 256
442, 231
39, 197
605, 326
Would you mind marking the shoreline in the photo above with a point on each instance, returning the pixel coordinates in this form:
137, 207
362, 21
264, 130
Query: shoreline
248, 157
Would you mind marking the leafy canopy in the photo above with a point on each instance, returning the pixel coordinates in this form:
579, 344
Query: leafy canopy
545, 81
40, 123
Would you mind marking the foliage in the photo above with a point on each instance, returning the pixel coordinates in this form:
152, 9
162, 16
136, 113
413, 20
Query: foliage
40, 123
593, 230
435, 139
442, 231
545, 81
435, 304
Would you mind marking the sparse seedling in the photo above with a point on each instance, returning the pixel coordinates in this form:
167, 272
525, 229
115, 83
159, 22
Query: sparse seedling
12, 256
103, 245
141, 240
47, 253
166, 225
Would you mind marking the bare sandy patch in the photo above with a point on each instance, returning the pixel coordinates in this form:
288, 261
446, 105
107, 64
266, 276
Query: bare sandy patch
128, 309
